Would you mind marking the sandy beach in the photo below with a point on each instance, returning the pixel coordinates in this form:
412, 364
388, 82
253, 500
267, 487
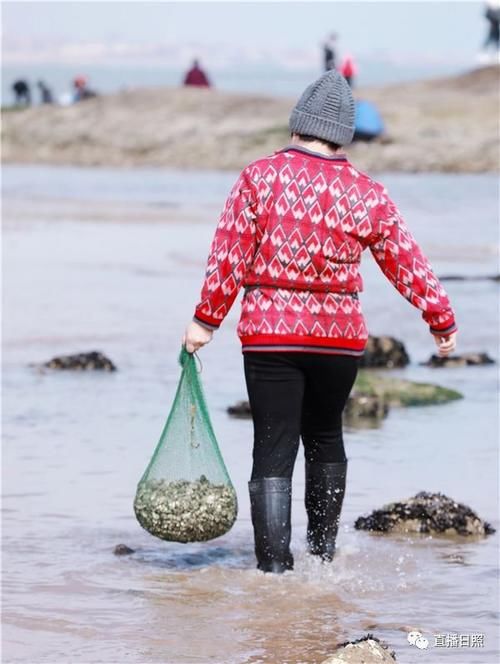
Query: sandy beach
448, 125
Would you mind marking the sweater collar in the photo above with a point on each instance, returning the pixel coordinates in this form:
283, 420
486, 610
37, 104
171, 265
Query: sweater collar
311, 153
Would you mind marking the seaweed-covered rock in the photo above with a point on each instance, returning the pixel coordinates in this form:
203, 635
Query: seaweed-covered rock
384, 353
81, 362
464, 360
429, 513
367, 650
373, 395
401, 392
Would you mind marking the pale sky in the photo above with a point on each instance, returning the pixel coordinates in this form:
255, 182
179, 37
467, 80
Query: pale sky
434, 30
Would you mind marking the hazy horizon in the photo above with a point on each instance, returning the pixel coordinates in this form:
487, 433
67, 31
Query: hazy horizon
268, 47
288, 34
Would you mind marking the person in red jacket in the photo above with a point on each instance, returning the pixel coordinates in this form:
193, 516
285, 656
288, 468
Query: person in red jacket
292, 233
348, 69
196, 76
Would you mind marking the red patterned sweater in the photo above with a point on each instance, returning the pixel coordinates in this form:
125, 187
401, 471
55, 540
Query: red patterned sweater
292, 232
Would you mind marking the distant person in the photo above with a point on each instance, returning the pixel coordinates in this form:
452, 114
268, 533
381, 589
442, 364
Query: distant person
348, 69
368, 123
22, 93
46, 96
330, 52
81, 89
196, 76
492, 15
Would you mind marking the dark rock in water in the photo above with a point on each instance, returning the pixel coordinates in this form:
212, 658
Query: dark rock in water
123, 550
464, 360
477, 277
367, 650
240, 409
425, 513
81, 362
384, 352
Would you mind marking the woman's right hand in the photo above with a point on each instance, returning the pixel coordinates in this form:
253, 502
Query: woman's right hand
446, 345
196, 336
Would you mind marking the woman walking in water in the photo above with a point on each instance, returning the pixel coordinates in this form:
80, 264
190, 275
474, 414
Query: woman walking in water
292, 232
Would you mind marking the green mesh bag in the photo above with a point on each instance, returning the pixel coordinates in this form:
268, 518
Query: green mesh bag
185, 494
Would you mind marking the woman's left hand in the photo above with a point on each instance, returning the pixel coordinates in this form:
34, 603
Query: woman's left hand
196, 336
446, 345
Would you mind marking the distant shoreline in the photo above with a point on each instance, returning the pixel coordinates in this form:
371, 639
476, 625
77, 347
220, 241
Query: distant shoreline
446, 125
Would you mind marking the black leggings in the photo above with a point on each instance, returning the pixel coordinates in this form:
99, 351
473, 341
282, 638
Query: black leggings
293, 395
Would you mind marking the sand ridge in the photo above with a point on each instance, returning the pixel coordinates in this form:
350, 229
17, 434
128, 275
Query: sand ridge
448, 124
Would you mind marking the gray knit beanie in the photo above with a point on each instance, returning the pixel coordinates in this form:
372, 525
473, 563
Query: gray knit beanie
325, 110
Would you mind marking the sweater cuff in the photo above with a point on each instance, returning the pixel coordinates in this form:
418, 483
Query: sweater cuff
206, 321
445, 330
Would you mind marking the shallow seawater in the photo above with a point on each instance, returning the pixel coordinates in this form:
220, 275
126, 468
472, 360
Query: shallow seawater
76, 444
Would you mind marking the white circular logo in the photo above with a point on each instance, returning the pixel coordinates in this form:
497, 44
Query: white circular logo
413, 636
422, 643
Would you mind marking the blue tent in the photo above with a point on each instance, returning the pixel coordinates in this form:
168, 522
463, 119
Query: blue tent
368, 121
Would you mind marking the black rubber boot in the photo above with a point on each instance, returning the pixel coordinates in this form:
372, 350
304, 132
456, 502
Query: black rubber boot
325, 488
271, 504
